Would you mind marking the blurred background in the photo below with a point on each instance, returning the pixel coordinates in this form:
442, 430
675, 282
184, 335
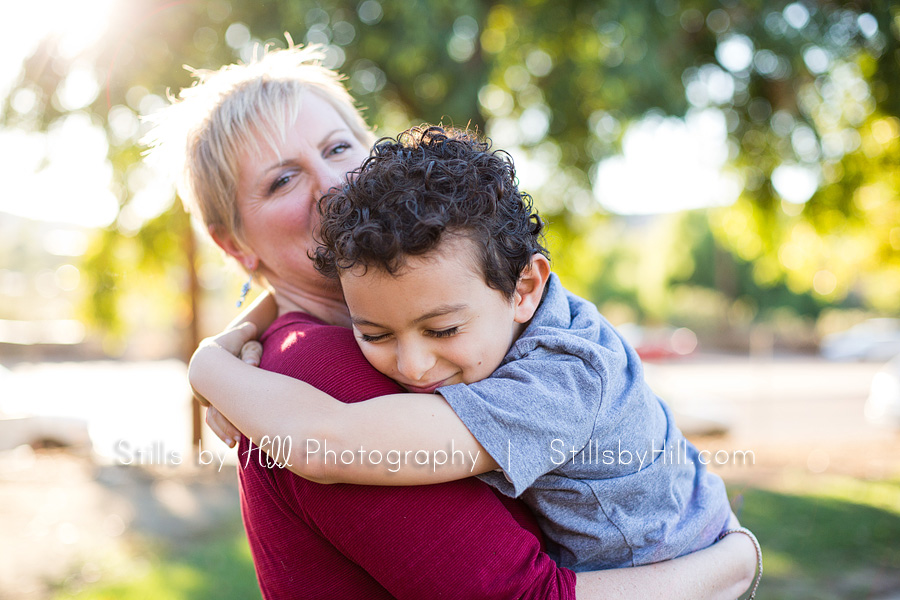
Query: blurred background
720, 177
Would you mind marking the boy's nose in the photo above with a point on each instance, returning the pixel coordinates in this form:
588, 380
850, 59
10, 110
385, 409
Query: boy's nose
414, 363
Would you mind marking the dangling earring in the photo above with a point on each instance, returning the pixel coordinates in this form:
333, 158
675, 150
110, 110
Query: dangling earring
244, 289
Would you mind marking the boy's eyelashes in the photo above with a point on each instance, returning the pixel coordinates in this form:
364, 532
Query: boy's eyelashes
443, 332
435, 333
372, 338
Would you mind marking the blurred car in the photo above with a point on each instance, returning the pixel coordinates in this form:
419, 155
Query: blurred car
37, 431
872, 340
655, 343
883, 404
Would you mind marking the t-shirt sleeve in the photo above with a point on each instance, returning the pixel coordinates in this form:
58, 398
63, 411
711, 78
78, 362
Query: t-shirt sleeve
530, 413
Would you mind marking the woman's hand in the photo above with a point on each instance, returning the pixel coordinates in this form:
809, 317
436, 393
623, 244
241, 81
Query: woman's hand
222, 427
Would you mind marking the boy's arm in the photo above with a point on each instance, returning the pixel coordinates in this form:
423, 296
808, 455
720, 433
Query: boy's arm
400, 439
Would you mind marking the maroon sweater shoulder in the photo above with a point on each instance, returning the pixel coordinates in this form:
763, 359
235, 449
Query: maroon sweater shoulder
324, 356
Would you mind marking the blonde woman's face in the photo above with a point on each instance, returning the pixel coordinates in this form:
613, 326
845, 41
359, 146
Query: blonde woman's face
278, 191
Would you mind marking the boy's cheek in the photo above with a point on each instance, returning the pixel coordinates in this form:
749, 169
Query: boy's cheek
378, 358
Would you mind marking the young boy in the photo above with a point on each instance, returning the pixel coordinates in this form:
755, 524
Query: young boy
450, 292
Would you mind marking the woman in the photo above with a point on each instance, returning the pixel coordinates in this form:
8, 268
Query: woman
261, 143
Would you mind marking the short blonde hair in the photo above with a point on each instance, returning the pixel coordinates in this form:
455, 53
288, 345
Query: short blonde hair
202, 134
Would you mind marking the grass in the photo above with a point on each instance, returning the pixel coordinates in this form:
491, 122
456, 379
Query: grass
827, 537
216, 567
823, 538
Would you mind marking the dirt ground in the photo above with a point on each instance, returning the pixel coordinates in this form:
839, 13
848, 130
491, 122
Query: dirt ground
64, 517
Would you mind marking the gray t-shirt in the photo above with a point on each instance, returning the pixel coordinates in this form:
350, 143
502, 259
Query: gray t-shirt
588, 446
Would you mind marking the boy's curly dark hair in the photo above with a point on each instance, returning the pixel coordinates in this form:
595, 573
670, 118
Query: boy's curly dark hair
412, 191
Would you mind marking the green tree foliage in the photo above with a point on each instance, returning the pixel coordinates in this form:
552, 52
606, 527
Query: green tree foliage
807, 89
819, 99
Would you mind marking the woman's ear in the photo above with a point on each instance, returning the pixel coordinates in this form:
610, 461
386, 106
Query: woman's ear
233, 248
530, 288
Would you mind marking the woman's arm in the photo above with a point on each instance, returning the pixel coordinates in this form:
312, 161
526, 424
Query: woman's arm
723, 571
415, 438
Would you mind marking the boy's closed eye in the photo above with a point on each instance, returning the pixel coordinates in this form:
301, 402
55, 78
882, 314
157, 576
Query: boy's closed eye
372, 338
443, 333
435, 333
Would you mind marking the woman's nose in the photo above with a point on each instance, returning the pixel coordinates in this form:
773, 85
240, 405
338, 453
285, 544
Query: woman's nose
327, 176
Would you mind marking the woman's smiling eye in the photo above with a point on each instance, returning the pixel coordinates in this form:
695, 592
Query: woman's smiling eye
340, 148
444, 332
279, 182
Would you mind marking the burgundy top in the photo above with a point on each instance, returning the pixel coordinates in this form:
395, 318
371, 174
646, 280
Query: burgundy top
309, 540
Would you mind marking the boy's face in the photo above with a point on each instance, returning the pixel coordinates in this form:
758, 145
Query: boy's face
434, 323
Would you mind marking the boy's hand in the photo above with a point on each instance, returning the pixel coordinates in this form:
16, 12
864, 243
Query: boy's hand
239, 341
251, 353
231, 340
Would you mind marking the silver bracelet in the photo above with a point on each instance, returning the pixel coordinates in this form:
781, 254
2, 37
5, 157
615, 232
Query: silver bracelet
759, 566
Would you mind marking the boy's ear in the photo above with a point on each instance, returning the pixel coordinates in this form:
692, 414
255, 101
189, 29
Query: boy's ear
228, 243
530, 288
